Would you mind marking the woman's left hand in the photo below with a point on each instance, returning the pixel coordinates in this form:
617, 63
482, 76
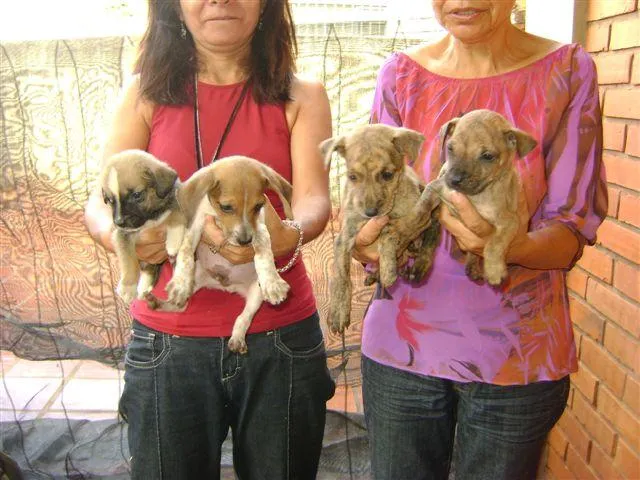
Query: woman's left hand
471, 231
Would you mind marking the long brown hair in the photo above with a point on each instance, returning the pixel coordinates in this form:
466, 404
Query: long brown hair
167, 62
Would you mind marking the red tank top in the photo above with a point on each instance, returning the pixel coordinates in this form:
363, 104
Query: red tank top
259, 131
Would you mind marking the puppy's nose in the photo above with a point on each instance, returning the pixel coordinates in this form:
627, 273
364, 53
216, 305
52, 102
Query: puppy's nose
119, 221
245, 240
455, 178
371, 211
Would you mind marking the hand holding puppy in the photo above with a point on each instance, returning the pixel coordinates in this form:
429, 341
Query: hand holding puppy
151, 245
471, 230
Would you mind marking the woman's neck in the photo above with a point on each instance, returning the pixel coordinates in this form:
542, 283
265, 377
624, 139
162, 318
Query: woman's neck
222, 67
498, 54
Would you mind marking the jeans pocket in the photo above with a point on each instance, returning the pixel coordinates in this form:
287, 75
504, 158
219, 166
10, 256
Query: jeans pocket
301, 340
147, 348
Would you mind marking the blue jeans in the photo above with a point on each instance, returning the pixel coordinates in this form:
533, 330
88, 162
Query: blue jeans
182, 394
413, 422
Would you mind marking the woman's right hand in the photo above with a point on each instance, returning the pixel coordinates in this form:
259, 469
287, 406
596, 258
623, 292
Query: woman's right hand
365, 249
151, 246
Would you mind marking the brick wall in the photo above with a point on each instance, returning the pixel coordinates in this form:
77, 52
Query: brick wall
599, 435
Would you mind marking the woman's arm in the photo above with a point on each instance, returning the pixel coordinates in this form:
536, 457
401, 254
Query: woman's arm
309, 117
129, 130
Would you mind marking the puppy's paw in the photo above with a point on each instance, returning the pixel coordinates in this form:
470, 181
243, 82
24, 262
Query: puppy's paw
179, 289
371, 278
339, 319
388, 277
416, 272
274, 290
238, 344
127, 291
495, 272
473, 268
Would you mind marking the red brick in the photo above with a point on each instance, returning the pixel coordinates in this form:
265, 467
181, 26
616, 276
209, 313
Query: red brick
631, 396
620, 417
606, 8
626, 278
635, 71
622, 170
558, 441
622, 345
586, 319
618, 309
633, 136
622, 103
575, 433
603, 365
629, 211
626, 460
613, 67
577, 465
620, 239
586, 382
597, 37
577, 281
603, 464
613, 134
597, 263
594, 424
625, 33
557, 467
614, 198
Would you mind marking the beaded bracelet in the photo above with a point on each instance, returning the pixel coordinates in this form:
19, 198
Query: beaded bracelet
296, 253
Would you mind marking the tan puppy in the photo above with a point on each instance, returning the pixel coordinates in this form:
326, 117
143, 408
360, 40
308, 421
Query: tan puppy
141, 192
378, 183
232, 191
480, 148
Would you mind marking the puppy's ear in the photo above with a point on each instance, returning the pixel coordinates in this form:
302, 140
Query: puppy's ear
330, 145
164, 178
407, 142
276, 182
520, 141
445, 132
191, 192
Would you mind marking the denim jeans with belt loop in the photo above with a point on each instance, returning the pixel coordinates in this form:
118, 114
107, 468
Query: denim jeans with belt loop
422, 427
183, 394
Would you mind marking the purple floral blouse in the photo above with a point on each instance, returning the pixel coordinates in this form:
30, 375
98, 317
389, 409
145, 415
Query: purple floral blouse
449, 326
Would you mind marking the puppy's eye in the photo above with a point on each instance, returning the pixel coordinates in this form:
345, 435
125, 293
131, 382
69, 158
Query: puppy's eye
449, 147
352, 177
137, 196
226, 208
107, 200
258, 207
487, 157
386, 175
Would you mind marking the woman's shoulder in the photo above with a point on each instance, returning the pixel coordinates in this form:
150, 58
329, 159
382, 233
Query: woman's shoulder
307, 90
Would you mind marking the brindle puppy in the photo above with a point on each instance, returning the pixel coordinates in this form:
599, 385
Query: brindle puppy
141, 192
480, 148
378, 183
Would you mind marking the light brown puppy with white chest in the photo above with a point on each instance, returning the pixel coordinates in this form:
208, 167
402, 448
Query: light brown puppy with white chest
378, 183
480, 148
231, 190
141, 192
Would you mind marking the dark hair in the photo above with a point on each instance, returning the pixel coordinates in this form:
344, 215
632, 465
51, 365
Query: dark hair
167, 62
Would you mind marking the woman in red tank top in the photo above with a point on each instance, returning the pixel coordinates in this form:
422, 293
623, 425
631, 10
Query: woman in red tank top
184, 389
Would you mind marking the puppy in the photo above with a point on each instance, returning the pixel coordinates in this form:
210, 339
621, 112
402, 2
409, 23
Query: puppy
232, 191
378, 183
480, 148
141, 192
